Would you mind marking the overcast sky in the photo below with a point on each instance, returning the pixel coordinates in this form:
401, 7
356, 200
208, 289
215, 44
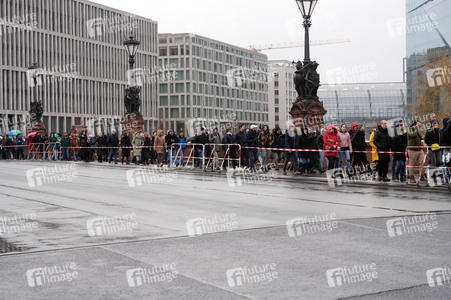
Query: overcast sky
375, 27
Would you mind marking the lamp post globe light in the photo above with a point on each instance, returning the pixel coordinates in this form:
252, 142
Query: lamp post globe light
131, 45
306, 7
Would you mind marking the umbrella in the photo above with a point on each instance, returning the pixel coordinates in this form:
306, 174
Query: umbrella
32, 134
14, 132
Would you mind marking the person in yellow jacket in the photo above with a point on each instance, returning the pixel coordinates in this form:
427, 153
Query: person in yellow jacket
375, 157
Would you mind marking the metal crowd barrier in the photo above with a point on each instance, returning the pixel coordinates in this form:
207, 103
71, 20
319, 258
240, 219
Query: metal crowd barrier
431, 171
214, 155
190, 157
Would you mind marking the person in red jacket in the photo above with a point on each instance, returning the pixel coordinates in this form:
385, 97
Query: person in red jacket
331, 146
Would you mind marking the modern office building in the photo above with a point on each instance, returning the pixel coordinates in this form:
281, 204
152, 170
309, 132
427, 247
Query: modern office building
352, 102
83, 63
210, 82
428, 34
363, 102
281, 92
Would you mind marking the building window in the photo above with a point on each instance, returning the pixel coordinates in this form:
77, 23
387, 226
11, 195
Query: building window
163, 88
163, 51
179, 88
163, 100
173, 50
174, 100
174, 112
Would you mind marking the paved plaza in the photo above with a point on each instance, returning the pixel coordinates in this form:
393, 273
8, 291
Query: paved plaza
184, 234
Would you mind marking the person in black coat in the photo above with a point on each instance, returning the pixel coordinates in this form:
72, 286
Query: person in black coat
84, 144
291, 138
383, 142
201, 139
146, 150
279, 142
125, 147
400, 145
252, 141
432, 137
113, 143
241, 140
101, 143
359, 144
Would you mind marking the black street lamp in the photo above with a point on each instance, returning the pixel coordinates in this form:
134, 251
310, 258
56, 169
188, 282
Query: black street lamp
36, 109
307, 109
306, 7
132, 47
131, 97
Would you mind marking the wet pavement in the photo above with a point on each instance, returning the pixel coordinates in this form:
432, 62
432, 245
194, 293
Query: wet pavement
112, 226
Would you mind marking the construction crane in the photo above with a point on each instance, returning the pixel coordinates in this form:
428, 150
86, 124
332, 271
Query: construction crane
258, 48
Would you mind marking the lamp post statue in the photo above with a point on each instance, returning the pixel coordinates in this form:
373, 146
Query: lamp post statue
132, 121
307, 110
36, 110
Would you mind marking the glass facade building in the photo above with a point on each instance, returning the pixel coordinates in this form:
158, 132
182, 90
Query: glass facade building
363, 103
428, 33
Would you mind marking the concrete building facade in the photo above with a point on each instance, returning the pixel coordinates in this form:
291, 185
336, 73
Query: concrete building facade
281, 93
83, 64
210, 83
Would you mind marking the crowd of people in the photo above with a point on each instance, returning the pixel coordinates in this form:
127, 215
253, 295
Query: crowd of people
258, 148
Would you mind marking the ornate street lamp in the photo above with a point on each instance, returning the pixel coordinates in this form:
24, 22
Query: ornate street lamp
132, 121
36, 109
306, 7
307, 108
131, 45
